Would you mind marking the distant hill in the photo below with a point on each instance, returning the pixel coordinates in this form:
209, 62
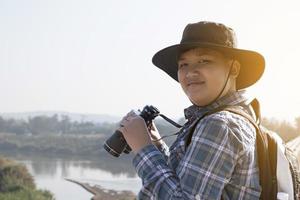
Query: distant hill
95, 118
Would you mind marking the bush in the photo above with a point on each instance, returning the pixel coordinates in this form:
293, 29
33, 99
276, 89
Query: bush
17, 183
27, 194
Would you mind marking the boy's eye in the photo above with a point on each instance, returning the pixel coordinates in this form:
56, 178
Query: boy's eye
181, 65
201, 61
204, 61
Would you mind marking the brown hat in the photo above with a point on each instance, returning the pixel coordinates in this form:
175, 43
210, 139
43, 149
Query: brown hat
213, 36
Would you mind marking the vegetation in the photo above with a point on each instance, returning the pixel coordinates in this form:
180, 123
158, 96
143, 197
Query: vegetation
284, 129
17, 184
50, 135
41, 125
53, 136
52, 144
62, 125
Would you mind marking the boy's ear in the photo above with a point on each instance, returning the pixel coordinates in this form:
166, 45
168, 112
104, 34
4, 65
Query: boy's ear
235, 68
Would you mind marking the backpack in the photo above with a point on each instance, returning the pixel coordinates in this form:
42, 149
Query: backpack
278, 166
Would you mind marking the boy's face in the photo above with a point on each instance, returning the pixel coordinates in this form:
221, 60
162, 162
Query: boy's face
202, 74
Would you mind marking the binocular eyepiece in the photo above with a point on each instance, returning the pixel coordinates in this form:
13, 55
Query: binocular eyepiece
117, 144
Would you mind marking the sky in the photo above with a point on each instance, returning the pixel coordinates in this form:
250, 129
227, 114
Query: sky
94, 56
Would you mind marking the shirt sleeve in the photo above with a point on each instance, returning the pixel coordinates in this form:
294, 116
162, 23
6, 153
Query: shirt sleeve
202, 173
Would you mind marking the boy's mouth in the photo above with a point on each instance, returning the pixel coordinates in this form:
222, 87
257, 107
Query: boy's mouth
195, 83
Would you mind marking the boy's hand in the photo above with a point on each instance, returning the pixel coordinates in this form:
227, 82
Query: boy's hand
135, 131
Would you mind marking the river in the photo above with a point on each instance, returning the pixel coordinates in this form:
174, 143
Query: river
109, 172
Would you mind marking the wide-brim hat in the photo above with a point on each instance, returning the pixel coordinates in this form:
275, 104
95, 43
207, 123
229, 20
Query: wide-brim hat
214, 36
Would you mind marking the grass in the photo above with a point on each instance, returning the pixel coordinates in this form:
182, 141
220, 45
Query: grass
16, 183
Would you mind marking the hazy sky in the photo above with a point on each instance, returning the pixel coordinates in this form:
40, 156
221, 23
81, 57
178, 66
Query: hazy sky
94, 56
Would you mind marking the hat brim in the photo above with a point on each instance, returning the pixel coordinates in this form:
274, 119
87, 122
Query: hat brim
252, 63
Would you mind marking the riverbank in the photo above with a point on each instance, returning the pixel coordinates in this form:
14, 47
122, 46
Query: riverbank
17, 183
53, 144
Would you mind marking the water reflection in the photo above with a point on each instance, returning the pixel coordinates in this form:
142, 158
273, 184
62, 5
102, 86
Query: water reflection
40, 163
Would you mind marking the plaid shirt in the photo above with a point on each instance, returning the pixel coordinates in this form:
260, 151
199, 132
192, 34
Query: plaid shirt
220, 161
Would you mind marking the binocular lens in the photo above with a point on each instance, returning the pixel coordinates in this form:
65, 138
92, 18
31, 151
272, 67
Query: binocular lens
116, 144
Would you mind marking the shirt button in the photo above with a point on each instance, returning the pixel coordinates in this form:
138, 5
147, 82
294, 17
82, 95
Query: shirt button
197, 197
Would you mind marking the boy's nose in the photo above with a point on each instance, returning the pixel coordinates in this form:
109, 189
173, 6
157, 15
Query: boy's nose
192, 70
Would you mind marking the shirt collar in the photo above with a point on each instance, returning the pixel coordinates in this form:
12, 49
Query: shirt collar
234, 98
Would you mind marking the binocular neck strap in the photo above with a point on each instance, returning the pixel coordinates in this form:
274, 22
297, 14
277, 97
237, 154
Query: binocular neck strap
170, 121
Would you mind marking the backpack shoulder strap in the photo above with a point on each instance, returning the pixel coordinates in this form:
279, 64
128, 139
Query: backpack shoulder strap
266, 151
256, 107
267, 155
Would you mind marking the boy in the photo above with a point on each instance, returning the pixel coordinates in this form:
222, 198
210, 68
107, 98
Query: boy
219, 161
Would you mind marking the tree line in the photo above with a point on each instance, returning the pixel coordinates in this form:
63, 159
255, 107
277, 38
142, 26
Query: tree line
61, 125
55, 124
43, 125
